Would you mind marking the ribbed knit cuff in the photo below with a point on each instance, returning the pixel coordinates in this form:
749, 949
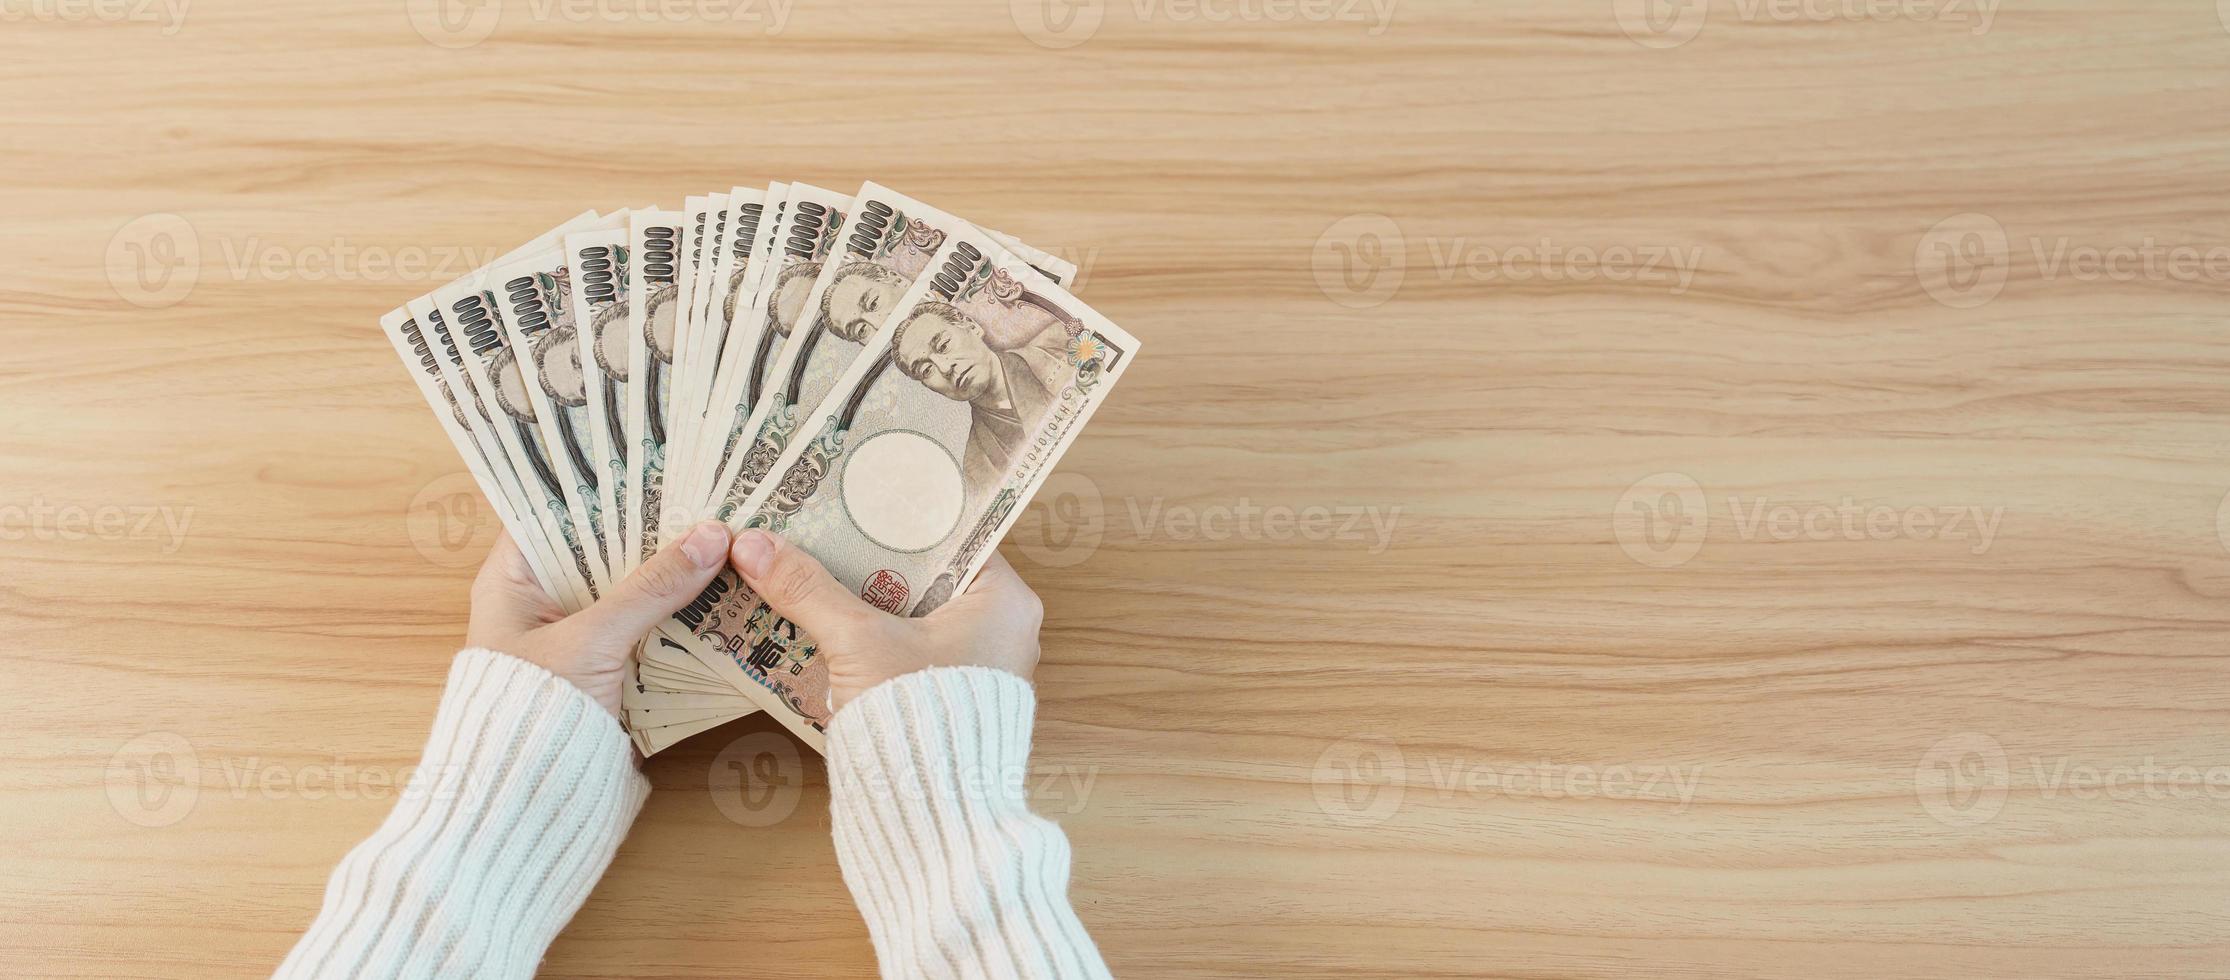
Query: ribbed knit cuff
523, 794
953, 873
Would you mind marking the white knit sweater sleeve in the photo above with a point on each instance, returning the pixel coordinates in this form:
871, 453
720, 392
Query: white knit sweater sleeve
524, 792
527, 787
954, 874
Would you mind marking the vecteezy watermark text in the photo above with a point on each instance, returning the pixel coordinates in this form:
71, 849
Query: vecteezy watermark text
1964, 261
1364, 781
1964, 780
1245, 520
1360, 261
156, 260
758, 779
156, 779
43, 521
1057, 24
171, 14
464, 23
1662, 520
1067, 520
1672, 23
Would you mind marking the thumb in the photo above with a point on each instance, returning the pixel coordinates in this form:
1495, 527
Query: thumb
795, 585
667, 582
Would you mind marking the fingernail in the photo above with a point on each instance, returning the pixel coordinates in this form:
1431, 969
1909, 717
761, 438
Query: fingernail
705, 543
754, 550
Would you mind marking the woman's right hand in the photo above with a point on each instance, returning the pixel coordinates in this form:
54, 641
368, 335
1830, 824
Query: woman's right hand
993, 624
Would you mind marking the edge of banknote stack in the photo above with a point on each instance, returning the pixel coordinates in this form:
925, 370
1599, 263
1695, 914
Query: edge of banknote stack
872, 378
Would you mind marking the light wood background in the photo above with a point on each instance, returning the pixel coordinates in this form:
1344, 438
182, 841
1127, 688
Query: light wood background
1901, 752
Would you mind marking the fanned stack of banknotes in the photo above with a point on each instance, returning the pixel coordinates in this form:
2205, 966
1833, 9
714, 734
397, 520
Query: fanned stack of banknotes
872, 378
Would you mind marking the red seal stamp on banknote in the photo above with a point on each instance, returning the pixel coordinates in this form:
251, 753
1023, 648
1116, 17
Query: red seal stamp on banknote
885, 590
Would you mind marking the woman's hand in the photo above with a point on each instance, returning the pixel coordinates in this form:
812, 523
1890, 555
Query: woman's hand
511, 614
994, 624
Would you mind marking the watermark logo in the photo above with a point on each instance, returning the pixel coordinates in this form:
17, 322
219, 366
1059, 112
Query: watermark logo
1665, 24
1548, 260
1342, 524
2222, 515
1359, 782
1359, 261
454, 24
43, 521
1963, 261
1661, 521
757, 780
154, 780
1661, 24
1363, 782
340, 260
1962, 779
1084, 258
1057, 24
1064, 523
1363, 259
171, 14
154, 260
450, 523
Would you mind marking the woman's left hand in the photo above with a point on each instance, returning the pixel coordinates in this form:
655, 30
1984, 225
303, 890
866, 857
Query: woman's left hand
511, 614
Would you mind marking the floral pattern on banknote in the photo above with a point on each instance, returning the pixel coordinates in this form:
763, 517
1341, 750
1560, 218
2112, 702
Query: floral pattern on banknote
801, 480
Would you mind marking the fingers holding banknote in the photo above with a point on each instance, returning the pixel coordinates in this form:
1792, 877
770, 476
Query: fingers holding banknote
994, 624
589, 649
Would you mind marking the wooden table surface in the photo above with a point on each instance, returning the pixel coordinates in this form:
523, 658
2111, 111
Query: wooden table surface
1738, 493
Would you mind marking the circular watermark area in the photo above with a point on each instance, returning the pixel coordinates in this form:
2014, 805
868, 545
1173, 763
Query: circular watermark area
1064, 523
903, 491
1359, 782
154, 260
1661, 521
1057, 24
2222, 515
154, 780
1661, 23
454, 23
1963, 261
450, 523
1359, 261
1962, 779
756, 780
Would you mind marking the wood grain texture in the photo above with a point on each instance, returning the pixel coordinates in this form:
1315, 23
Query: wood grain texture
1278, 749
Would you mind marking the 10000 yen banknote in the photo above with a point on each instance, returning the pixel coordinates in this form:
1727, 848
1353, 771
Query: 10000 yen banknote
533, 538
730, 291
535, 296
916, 463
418, 355
599, 263
884, 247
708, 219
705, 266
476, 323
804, 233
657, 279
